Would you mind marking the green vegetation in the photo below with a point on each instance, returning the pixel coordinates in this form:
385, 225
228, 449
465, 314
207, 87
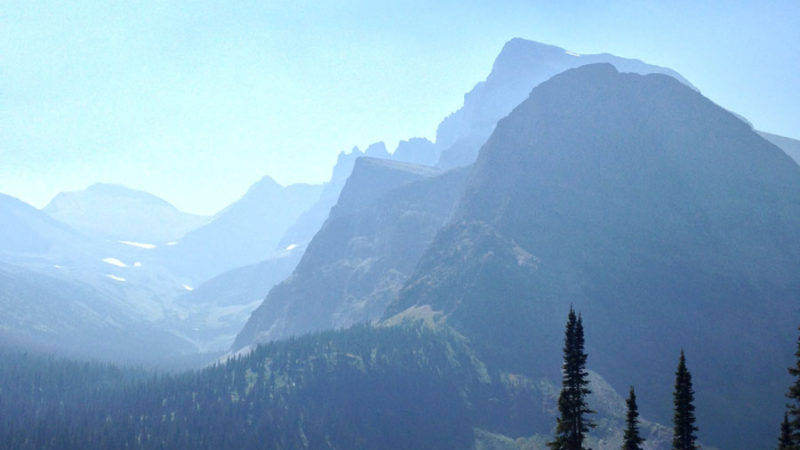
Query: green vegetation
412, 385
572, 425
684, 437
785, 439
632, 438
790, 428
406, 386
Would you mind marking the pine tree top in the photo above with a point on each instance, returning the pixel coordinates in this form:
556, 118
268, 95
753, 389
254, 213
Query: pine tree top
632, 440
793, 407
684, 437
785, 439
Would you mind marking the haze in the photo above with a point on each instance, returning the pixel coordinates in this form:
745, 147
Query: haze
195, 103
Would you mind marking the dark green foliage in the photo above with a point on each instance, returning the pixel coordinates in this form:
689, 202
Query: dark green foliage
365, 387
785, 440
572, 425
684, 437
794, 401
632, 440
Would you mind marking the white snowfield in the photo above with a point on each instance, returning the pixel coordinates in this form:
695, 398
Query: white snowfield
291, 247
187, 287
138, 244
116, 278
114, 262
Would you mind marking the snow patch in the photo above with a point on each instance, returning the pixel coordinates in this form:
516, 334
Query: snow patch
138, 244
571, 53
137, 264
187, 287
291, 247
116, 278
171, 243
57, 266
114, 262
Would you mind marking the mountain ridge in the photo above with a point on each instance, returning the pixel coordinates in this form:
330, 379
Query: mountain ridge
117, 212
633, 198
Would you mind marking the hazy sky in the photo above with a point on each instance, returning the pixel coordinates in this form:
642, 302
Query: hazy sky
195, 101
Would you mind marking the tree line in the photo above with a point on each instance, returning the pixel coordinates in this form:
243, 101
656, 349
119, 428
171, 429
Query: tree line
573, 421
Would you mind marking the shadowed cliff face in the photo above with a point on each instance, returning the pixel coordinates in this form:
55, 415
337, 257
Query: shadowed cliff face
386, 216
663, 218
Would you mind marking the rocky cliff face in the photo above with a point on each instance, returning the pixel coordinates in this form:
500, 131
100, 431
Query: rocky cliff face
385, 218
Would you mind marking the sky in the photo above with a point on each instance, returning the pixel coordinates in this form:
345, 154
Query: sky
195, 101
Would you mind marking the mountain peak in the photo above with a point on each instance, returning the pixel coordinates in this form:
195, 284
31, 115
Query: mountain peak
120, 213
519, 47
642, 203
265, 183
377, 150
520, 66
374, 176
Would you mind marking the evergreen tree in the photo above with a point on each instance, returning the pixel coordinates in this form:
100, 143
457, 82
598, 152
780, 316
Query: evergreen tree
785, 441
572, 425
684, 436
794, 401
632, 439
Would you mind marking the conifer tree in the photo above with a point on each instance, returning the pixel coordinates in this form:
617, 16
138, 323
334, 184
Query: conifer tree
785, 440
632, 440
572, 425
794, 401
684, 437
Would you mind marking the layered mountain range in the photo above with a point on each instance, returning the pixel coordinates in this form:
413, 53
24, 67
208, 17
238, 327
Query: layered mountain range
664, 218
386, 216
520, 66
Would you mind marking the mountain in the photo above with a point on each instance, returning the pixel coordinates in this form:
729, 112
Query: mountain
82, 295
213, 313
386, 215
122, 214
662, 217
244, 233
307, 225
28, 231
788, 145
47, 314
416, 151
520, 66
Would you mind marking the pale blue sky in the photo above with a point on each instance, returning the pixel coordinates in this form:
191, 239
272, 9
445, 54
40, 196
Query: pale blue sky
196, 101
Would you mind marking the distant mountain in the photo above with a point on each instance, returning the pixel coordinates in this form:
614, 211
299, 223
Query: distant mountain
662, 217
122, 214
212, 314
47, 314
788, 145
520, 66
133, 284
416, 151
244, 233
28, 231
387, 214
307, 225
